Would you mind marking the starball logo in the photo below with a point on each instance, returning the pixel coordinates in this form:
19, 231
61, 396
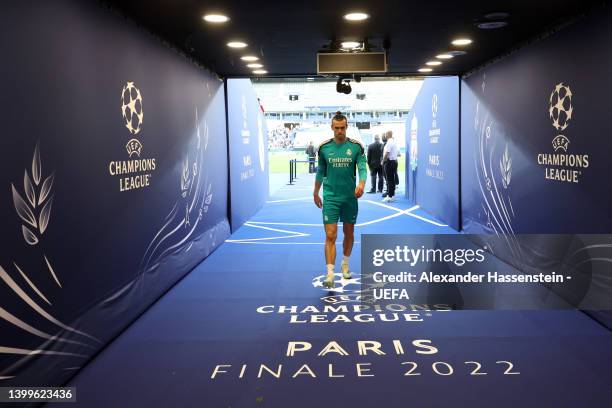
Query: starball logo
135, 173
561, 109
414, 131
434, 106
133, 115
131, 107
562, 165
434, 132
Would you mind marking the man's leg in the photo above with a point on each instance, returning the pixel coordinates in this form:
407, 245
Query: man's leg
379, 171
349, 238
347, 248
384, 173
331, 233
390, 178
373, 179
348, 218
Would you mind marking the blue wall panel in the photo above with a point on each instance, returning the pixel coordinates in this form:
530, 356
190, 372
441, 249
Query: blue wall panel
432, 170
248, 148
536, 143
113, 169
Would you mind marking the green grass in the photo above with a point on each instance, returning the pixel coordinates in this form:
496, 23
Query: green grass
279, 161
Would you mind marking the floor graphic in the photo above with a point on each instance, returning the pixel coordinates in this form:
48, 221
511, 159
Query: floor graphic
252, 326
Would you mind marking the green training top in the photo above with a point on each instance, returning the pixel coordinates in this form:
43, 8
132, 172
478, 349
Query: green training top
338, 164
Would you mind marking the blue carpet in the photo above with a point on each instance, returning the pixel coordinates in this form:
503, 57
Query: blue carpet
255, 294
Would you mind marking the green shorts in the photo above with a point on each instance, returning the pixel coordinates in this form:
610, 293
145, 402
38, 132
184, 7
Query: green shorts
345, 210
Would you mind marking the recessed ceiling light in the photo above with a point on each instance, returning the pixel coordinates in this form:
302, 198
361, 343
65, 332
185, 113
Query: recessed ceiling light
432, 63
249, 58
444, 56
254, 65
425, 69
216, 18
491, 25
356, 16
260, 71
236, 44
497, 16
310, 79
350, 44
456, 53
462, 41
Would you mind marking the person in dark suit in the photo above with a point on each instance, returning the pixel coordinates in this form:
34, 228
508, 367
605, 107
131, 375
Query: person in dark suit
375, 151
312, 154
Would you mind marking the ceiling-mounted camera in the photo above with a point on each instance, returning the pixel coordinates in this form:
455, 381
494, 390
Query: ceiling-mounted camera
343, 85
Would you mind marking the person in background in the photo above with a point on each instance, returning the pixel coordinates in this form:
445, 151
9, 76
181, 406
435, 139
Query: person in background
382, 163
375, 151
312, 154
390, 154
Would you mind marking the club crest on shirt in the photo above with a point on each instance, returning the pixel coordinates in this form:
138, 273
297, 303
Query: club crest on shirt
349, 152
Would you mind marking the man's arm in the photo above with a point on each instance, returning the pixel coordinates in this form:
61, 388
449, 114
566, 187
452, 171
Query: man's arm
319, 180
363, 174
315, 194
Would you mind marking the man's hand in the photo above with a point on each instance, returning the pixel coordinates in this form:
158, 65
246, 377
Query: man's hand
359, 191
317, 200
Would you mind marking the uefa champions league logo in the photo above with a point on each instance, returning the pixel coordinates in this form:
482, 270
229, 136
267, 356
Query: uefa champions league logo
434, 133
562, 165
135, 172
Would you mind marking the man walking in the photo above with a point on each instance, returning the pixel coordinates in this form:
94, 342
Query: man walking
339, 159
390, 154
375, 151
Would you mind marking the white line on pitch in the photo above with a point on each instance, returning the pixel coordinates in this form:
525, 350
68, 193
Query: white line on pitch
427, 220
289, 199
283, 243
249, 224
285, 223
295, 234
379, 219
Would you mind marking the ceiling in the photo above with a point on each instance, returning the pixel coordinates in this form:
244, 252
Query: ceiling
286, 35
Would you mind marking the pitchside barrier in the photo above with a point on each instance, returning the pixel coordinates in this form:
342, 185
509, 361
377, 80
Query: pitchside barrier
293, 169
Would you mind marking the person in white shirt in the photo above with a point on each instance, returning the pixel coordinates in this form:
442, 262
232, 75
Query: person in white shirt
390, 154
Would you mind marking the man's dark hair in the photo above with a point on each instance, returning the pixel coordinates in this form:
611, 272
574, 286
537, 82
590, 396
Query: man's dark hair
339, 117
